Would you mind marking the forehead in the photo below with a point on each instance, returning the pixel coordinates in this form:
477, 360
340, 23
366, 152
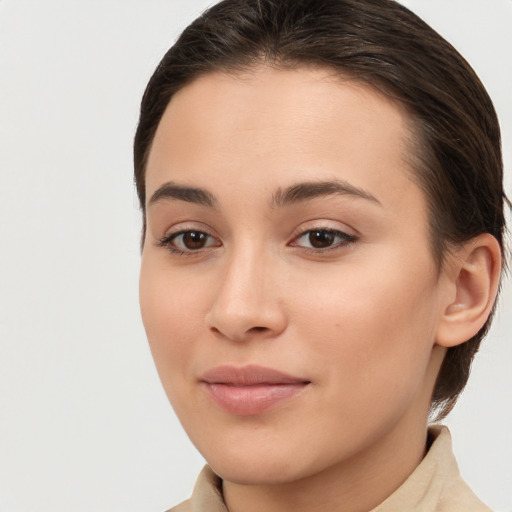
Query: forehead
271, 127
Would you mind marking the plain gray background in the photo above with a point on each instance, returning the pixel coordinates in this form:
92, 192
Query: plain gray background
84, 423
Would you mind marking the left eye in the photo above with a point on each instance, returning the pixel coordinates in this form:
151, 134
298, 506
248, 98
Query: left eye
323, 239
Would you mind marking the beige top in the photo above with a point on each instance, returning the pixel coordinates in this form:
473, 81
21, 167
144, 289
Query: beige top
434, 486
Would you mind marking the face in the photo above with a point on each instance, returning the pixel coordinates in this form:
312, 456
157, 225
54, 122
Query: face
287, 288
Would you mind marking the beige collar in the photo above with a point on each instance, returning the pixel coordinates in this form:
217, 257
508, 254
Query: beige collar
435, 486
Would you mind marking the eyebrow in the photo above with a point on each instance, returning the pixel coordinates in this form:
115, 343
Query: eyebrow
309, 190
291, 195
171, 190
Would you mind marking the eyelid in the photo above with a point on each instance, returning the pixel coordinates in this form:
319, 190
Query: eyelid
346, 237
186, 226
181, 229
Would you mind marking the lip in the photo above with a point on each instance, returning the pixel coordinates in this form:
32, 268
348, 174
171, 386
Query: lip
251, 389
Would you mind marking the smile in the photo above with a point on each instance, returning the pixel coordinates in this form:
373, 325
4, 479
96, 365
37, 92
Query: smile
250, 390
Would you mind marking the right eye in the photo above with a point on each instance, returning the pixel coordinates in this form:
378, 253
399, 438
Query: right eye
189, 241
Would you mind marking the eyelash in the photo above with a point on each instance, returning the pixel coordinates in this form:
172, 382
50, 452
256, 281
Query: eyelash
167, 242
344, 240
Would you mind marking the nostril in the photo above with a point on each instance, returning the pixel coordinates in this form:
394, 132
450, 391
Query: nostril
257, 329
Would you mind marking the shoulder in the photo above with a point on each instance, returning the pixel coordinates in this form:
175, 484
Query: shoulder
185, 506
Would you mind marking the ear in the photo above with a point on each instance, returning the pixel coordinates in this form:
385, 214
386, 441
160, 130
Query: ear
472, 272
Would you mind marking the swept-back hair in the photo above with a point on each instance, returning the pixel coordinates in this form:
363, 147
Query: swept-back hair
455, 150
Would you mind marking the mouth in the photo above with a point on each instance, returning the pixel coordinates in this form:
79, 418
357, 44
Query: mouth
251, 389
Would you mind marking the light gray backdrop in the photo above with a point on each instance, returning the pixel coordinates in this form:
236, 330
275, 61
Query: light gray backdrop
84, 423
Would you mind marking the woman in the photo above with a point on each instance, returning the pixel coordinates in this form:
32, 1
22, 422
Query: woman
321, 185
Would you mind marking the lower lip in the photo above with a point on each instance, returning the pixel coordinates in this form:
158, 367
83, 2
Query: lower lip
250, 400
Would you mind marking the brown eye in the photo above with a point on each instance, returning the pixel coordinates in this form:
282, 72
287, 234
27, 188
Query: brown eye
320, 239
194, 240
187, 242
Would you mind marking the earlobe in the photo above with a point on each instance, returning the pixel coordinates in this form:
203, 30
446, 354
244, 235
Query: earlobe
474, 273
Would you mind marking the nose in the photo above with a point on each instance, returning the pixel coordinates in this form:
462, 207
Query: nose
247, 302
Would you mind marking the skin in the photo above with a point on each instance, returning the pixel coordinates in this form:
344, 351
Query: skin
360, 319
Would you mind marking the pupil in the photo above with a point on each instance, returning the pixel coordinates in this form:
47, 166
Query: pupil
320, 239
194, 240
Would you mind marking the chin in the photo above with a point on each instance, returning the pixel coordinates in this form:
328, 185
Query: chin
256, 472
263, 462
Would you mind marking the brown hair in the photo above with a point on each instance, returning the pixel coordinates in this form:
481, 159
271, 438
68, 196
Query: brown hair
457, 152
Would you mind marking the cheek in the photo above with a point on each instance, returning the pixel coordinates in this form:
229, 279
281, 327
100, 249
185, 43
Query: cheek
170, 311
373, 327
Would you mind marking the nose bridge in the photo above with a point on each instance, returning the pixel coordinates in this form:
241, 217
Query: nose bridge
247, 298
244, 277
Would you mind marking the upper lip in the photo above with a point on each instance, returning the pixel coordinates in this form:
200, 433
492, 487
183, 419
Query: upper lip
250, 375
